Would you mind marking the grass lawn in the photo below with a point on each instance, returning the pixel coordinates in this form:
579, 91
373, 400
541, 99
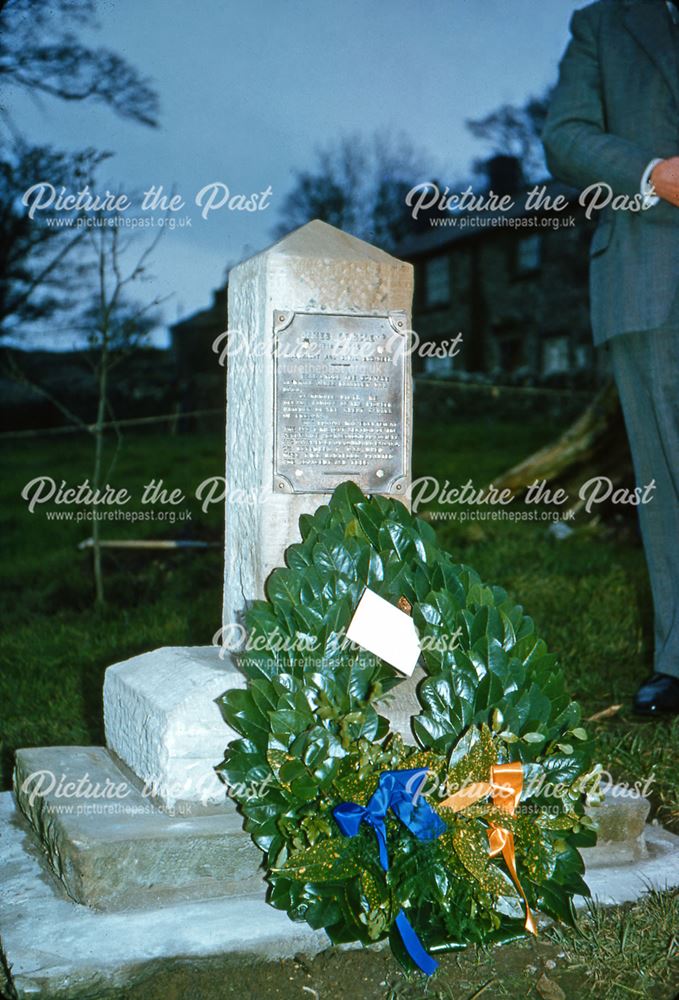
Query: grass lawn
55, 645
588, 594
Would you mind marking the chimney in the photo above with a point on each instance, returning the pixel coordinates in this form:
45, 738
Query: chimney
505, 175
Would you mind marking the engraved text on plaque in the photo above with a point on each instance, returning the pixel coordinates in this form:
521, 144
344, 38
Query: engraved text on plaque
340, 402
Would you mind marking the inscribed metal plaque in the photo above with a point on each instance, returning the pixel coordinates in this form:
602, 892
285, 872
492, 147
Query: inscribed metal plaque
340, 402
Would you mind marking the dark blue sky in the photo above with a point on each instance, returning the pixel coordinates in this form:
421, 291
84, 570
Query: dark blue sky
249, 89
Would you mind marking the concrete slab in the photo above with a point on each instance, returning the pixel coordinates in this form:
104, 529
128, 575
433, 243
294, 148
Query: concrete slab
56, 948
53, 948
112, 848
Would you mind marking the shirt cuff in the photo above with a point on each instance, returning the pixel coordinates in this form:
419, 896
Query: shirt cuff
648, 196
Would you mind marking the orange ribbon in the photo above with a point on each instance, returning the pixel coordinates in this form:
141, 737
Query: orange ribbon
505, 786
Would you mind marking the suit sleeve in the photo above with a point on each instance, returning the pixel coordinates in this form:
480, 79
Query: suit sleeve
579, 150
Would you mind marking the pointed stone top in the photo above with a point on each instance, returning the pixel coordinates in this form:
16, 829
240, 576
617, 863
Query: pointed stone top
318, 240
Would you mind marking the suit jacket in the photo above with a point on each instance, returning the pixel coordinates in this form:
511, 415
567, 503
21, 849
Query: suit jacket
615, 108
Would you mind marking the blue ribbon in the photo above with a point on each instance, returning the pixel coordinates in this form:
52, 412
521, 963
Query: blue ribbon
400, 792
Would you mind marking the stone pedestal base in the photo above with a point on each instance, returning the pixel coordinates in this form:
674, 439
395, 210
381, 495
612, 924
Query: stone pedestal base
163, 721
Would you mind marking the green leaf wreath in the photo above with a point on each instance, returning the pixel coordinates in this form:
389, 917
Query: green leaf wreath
312, 738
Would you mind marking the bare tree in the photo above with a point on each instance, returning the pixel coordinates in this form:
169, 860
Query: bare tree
40, 53
114, 327
358, 185
38, 271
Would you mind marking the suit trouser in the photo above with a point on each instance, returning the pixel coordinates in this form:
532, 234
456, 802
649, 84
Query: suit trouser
646, 369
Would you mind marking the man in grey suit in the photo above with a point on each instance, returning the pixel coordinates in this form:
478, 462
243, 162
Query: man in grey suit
614, 119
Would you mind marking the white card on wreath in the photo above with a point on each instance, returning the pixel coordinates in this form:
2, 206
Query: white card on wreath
386, 631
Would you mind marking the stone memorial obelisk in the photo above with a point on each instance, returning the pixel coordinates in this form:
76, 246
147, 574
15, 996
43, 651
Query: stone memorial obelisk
318, 391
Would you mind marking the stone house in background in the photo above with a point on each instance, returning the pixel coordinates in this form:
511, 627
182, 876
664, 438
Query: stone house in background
191, 338
200, 378
516, 288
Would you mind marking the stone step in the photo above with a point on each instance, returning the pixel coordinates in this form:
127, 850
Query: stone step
53, 947
112, 848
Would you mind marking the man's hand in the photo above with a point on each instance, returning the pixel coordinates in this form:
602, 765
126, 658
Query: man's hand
665, 180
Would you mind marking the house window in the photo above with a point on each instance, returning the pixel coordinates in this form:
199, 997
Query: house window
582, 359
555, 356
437, 281
528, 254
439, 366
